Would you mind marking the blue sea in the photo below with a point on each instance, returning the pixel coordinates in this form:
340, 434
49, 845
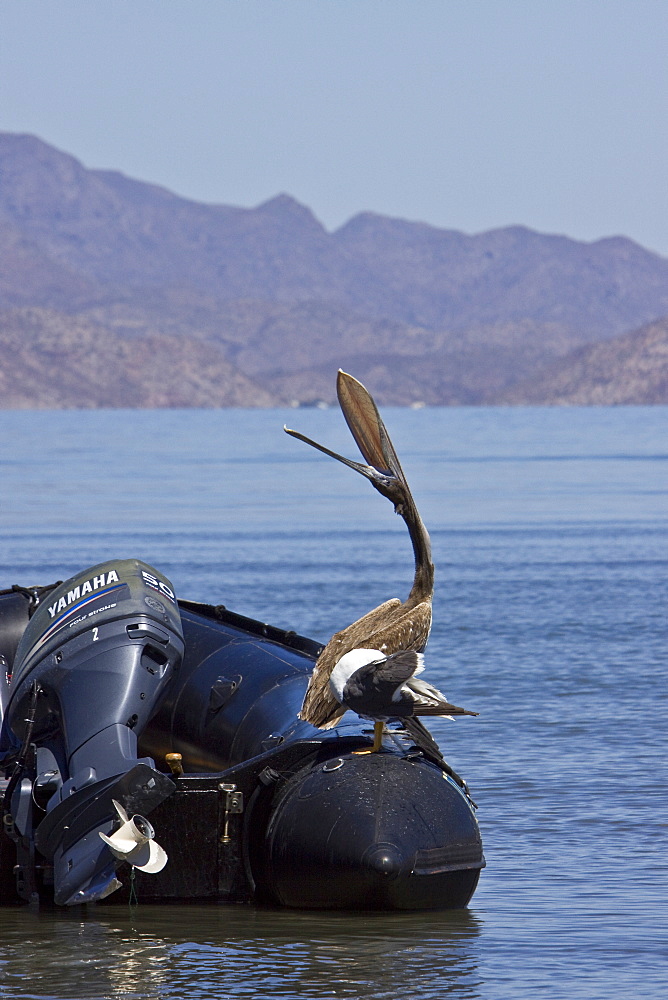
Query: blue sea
550, 537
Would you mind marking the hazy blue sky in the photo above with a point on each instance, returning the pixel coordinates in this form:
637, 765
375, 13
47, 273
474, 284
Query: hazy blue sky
467, 114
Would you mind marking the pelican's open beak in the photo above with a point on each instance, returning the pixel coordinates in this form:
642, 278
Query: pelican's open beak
361, 413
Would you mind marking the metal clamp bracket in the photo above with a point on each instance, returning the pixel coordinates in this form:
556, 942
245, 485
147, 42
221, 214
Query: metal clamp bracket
233, 805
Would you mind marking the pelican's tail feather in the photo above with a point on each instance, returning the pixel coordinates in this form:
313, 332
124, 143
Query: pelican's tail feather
428, 700
444, 709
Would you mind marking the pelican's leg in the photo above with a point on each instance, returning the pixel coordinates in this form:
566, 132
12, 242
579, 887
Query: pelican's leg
378, 730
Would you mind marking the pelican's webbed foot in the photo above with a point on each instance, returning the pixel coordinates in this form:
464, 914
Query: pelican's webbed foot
378, 730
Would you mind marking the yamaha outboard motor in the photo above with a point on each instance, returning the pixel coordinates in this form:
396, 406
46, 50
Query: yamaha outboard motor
88, 673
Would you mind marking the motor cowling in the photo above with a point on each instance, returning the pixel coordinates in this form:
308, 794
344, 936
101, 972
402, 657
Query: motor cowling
119, 588
97, 653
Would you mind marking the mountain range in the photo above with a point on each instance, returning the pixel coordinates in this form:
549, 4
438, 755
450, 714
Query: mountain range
115, 292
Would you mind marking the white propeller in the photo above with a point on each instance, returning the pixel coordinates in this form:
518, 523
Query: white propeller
133, 842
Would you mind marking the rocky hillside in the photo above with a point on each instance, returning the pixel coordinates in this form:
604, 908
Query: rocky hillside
51, 360
632, 368
115, 292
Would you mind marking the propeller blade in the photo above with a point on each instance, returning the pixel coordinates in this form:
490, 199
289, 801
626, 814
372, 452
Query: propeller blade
133, 842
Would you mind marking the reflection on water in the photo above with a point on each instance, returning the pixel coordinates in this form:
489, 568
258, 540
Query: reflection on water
114, 952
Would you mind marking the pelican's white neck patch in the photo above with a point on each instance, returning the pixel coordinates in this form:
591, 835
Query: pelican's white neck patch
347, 665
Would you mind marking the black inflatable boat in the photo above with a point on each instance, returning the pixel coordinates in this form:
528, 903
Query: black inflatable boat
152, 747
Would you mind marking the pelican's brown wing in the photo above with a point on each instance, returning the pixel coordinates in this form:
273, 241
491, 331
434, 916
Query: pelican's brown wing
391, 628
407, 629
320, 707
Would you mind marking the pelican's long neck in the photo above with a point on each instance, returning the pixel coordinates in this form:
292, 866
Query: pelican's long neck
423, 581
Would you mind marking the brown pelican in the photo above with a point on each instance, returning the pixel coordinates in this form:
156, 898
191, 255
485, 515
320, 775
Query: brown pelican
395, 626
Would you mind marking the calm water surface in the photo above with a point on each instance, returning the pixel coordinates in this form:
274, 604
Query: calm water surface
550, 535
